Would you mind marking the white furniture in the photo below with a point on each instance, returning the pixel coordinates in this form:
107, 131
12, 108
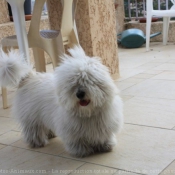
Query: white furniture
50, 41
17, 7
166, 14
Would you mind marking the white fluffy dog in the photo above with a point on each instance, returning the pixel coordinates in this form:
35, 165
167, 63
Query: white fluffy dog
79, 102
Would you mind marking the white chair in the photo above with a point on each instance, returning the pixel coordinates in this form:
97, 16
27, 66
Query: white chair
50, 41
17, 7
166, 14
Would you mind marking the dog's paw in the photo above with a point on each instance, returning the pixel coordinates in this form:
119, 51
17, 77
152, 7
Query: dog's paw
37, 143
51, 135
79, 150
103, 148
106, 146
34, 145
80, 155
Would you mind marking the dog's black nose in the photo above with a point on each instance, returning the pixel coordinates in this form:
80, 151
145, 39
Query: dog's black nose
80, 94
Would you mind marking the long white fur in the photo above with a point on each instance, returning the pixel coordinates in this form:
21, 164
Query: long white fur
13, 69
47, 103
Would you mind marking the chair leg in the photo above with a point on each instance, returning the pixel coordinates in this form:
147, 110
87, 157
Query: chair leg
4, 98
39, 58
74, 39
4, 90
56, 52
75, 31
166, 21
55, 58
148, 30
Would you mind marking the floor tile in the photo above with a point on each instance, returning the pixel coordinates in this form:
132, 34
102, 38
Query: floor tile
17, 128
134, 62
127, 73
132, 80
159, 59
140, 149
171, 61
120, 172
2, 146
170, 170
149, 65
126, 97
21, 159
10, 137
6, 124
150, 111
11, 156
143, 75
89, 169
166, 66
152, 88
54, 147
124, 85
50, 165
7, 112
153, 72
167, 75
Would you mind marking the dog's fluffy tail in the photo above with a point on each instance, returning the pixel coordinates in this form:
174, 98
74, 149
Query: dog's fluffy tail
13, 68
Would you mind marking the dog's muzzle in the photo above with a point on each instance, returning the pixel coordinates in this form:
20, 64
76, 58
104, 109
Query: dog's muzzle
81, 96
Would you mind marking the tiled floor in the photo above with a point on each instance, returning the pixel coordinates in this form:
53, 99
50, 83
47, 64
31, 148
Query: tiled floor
145, 146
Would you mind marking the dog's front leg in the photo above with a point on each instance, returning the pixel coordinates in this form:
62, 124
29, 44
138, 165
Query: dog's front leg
35, 134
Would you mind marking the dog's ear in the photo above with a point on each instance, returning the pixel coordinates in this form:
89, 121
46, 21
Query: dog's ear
77, 52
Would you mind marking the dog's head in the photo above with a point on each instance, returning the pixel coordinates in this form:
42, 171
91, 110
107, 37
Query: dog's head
83, 83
